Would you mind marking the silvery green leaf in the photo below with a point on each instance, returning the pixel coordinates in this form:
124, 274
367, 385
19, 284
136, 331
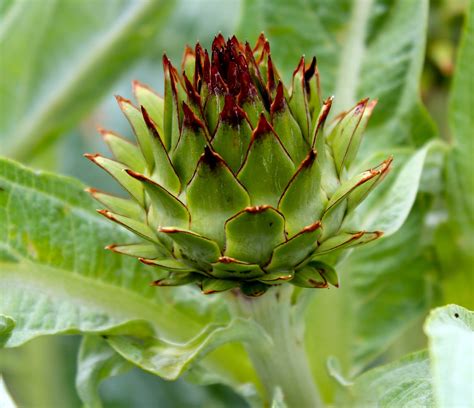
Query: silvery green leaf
170, 359
450, 331
402, 384
96, 362
388, 211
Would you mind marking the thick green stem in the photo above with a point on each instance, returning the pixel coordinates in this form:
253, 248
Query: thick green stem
284, 364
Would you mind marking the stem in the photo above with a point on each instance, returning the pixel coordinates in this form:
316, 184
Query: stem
284, 364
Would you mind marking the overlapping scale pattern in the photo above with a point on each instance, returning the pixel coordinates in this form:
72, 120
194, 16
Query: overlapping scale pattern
236, 181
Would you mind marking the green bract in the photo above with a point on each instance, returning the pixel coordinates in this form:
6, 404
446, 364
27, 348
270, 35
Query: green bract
235, 181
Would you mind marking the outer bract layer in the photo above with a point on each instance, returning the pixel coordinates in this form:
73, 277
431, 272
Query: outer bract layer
234, 181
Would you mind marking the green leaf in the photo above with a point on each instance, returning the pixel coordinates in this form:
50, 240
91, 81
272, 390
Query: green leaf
460, 164
404, 383
388, 211
460, 167
252, 234
6, 400
213, 196
57, 276
96, 362
364, 49
442, 378
450, 331
456, 260
55, 76
170, 360
389, 288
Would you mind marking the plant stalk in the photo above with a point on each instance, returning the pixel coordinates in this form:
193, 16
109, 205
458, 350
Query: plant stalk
284, 364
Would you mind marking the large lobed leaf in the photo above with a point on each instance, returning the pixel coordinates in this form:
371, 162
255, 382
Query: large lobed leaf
389, 206
59, 57
96, 362
56, 278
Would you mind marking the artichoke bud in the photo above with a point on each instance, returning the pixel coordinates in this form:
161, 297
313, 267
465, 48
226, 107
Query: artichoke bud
234, 180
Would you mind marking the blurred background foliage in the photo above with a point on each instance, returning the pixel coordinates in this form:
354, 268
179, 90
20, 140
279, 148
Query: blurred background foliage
60, 63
